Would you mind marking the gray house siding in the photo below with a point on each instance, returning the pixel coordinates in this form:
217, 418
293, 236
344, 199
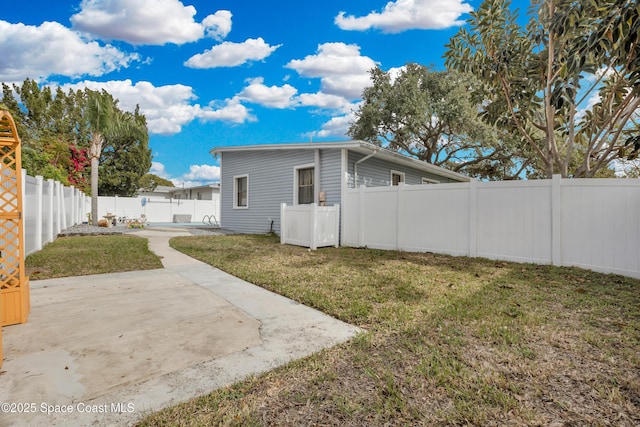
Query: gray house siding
330, 175
271, 179
375, 172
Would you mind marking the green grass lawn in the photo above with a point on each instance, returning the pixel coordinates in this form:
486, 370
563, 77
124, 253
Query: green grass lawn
83, 255
448, 341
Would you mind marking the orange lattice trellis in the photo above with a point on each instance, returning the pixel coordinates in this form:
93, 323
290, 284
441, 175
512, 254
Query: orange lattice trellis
14, 285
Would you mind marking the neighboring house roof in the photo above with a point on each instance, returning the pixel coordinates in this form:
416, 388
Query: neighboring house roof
162, 189
168, 191
195, 187
356, 146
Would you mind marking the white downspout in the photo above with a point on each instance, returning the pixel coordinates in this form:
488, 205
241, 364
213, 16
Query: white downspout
355, 167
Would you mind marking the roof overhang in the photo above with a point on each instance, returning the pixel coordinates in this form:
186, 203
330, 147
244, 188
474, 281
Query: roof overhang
361, 147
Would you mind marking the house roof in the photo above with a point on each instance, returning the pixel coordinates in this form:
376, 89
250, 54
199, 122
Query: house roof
356, 146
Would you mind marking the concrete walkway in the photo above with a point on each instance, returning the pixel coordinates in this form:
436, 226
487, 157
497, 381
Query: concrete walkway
108, 349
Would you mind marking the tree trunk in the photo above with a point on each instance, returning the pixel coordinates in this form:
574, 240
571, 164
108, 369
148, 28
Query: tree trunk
94, 151
94, 190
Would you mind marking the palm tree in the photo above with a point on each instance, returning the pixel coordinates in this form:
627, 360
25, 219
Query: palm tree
106, 121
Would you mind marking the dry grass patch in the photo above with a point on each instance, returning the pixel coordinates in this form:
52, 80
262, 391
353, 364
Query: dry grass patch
84, 255
449, 341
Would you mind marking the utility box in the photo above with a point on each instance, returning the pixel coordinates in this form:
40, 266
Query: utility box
182, 218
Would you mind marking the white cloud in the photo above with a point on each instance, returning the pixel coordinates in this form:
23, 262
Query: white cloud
229, 111
401, 15
197, 175
341, 68
154, 22
167, 108
202, 173
52, 49
285, 97
218, 25
336, 126
588, 106
229, 54
268, 96
324, 101
394, 72
158, 169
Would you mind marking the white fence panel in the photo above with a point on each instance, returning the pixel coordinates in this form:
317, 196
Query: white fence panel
379, 218
601, 225
590, 223
296, 225
49, 207
327, 227
310, 225
514, 221
159, 210
46, 227
434, 217
350, 231
31, 219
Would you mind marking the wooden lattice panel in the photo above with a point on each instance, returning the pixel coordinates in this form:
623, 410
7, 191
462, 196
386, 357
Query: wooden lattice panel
10, 265
14, 285
9, 195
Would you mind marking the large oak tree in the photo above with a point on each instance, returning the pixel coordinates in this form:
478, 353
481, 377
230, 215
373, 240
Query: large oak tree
431, 116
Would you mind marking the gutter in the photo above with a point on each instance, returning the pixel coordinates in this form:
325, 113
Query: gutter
355, 167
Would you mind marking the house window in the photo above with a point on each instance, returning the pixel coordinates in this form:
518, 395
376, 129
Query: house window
198, 196
397, 177
305, 186
241, 192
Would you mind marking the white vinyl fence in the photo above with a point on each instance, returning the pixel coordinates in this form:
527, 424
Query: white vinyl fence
590, 223
49, 207
162, 210
311, 226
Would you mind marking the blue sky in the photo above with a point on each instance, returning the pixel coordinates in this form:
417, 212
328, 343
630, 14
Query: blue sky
210, 73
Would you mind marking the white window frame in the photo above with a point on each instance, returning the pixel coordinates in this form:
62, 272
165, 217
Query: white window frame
235, 191
295, 181
394, 172
429, 181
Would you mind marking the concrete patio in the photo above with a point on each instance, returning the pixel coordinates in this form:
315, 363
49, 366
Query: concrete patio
108, 349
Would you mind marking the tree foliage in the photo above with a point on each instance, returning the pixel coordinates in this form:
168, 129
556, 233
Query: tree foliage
430, 115
149, 182
564, 83
55, 131
125, 160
